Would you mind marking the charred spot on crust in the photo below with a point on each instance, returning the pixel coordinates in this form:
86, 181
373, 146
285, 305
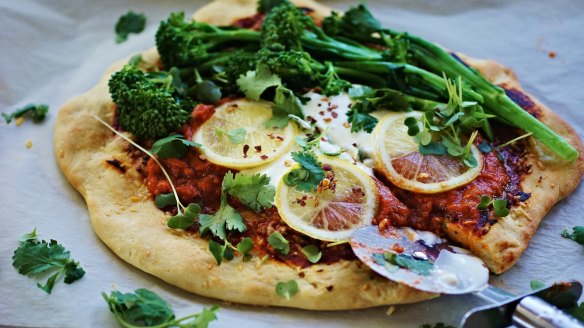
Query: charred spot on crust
117, 165
523, 101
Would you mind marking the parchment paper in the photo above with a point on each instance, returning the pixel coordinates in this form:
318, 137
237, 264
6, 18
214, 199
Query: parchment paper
52, 51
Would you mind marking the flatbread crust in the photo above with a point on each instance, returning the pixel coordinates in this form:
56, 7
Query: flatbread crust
125, 218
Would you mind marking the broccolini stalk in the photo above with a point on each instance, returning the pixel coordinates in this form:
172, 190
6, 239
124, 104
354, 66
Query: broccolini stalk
358, 24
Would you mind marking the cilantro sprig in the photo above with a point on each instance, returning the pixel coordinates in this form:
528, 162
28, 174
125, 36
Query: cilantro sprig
144, 308
33, 111
308, 176
254, 191
254, 83
36, 258
577, 234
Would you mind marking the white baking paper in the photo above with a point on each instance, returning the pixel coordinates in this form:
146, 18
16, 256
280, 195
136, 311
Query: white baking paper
51, 51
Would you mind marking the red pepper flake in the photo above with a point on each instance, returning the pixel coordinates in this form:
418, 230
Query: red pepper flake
264, 157
328, 119
280, 138
334, 114
245, 150
332, 107
397, 248
310, 119
321, 113
355, 145
327, 167
258, 148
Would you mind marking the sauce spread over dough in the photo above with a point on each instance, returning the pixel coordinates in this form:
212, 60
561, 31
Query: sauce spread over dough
198, 180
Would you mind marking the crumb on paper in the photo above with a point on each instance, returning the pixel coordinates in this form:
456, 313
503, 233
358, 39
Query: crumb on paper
29, 144
114, 285
552, 54
390, 310
19, 121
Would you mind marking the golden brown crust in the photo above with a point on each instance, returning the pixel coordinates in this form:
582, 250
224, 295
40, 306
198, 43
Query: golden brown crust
124, 217
548, 180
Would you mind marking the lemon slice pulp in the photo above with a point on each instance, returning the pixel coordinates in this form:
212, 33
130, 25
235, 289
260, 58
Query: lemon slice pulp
345, 201
403, 164
260, 145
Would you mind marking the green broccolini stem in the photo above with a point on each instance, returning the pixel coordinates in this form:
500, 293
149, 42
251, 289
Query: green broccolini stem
392, 69
495, 99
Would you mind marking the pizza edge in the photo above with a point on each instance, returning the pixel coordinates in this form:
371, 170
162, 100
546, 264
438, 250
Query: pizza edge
124, 217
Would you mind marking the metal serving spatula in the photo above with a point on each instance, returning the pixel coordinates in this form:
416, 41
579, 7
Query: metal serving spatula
426, 262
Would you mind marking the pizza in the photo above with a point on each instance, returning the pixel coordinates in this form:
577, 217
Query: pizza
231, 167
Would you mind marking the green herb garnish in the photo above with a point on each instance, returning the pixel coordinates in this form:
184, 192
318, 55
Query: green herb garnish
35, 112
499, 205
536, 284
36, 258
226, 250
287, 289
279, 243
129, 23
422, 267
186, 219
175, 146
144, 308
312, 253
235, 136
577, 234
308, 176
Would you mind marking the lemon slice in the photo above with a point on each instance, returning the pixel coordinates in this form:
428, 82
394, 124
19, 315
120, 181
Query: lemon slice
345, 201
255, 145
405, 167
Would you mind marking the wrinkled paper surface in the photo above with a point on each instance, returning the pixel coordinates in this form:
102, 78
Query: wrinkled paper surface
52, 51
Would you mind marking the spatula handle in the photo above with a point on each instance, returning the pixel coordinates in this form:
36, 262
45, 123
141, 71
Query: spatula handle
533, 312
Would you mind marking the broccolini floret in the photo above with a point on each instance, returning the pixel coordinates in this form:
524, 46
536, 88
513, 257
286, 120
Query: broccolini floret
148, 104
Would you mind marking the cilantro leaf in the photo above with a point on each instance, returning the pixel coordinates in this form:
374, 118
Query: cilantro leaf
577, 234
144, 308
287, 289
35, 258
129, 23
185, 220
254, 191
225, 216
422, 267
286, 103
279, 243
235, 136
35, 112
360, 117
220, 251
172, 146
310, 173
312, 253
254, 83
164, 200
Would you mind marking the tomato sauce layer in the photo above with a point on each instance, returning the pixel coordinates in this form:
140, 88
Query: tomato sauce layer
199, 181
